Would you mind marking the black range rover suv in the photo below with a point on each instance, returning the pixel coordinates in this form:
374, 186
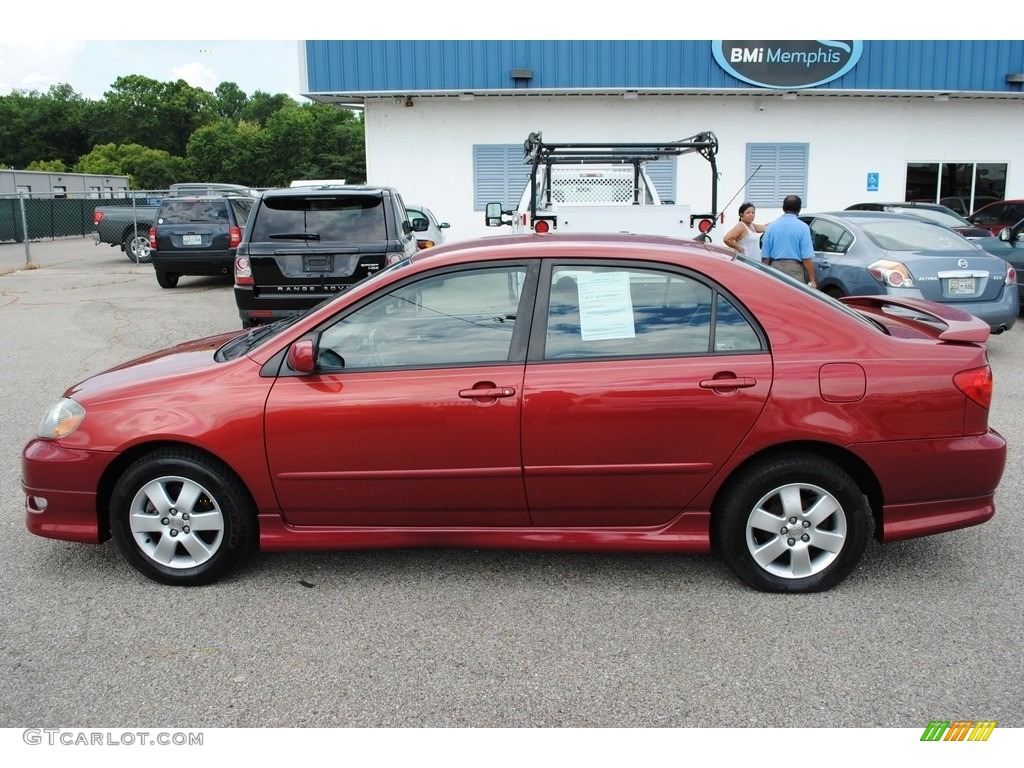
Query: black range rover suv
305, 244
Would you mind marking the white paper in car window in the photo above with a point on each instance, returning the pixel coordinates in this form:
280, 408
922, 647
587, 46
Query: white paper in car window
606, 308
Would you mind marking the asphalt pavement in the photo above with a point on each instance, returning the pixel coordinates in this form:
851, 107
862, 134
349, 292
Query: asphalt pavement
923, 630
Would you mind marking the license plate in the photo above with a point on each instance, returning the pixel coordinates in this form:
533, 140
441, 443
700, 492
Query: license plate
191, 239
960, 286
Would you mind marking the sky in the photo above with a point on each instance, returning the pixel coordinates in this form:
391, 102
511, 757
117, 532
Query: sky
91, 66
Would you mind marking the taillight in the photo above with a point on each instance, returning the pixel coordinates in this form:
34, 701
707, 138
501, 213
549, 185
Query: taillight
152, 237
236, 236
243, 271
976, 383
541, 226
97, 215
891, 273
704, 225
1011, 276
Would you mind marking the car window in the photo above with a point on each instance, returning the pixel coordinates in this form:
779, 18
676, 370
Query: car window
991, 215
830, 237
445, 320
192, 211
905, 235
616, 312
337, 218
241, 207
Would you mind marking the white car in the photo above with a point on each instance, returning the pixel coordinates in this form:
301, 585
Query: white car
435, 230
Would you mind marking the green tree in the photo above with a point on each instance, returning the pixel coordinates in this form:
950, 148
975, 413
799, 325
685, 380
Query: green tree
262, 105
140, 110
54, 166
231, 100
41, 126
146, 168
225, 152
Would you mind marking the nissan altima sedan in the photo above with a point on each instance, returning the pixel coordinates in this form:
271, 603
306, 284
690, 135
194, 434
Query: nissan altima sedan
574, 393
860, 253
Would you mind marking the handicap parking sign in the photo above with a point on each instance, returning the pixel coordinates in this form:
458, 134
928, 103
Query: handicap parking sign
872, 182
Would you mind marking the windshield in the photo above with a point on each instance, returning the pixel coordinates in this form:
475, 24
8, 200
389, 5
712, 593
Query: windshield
261, 334
939, 217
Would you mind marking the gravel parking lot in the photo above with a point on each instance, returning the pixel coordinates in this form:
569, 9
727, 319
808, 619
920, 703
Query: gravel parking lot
924, 630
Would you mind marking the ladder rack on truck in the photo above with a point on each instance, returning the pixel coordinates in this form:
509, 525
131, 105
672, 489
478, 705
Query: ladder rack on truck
556, 188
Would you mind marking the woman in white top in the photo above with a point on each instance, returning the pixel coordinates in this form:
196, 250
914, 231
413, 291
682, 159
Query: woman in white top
745, 237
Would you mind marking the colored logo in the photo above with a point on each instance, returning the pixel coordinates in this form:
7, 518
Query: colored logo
787, 64
958, 730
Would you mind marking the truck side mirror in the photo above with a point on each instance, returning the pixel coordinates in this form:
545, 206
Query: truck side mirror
493, 215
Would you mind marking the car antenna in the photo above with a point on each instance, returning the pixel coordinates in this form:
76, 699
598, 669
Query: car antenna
724, 207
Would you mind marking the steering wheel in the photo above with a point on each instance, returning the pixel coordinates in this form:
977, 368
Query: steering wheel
381, 345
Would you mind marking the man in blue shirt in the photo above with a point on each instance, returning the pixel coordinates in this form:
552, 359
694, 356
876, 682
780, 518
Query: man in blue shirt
787, 243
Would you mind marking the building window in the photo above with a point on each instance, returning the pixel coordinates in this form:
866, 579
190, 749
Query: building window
499, 175
776, 170
964, 187
662, 173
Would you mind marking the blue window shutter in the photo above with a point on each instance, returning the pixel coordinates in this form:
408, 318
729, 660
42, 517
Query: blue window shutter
781, 170
499, 175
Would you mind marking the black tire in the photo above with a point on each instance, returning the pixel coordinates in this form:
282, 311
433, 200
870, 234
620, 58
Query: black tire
136, 248
167, 279
181, 518
793, 523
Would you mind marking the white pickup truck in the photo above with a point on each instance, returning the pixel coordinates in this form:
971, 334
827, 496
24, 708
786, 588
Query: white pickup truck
605, 188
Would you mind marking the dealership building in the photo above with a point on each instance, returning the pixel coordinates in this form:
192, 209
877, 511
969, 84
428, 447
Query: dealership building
835, 121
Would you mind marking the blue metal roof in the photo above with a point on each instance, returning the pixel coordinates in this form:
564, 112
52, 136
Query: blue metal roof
363, 67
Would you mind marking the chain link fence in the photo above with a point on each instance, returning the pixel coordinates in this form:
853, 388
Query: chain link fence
39, 227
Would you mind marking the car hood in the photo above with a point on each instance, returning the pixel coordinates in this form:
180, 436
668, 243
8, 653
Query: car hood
182, 360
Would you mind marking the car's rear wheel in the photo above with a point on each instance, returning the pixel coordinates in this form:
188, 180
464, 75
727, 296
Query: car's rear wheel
167, 279
793, 523
181, 518
136, 247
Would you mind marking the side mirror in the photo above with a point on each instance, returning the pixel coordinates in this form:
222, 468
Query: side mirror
420, 225
1004, 235
443, 225
493, 215
300, 356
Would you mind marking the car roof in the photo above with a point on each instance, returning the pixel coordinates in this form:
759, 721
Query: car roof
540, 246
868, 216
327, 189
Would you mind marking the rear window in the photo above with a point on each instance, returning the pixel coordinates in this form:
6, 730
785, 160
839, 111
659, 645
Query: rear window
189, 211
339, 218
913, 236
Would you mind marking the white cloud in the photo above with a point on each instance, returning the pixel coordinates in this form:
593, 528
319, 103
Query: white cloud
196, 75
35, 65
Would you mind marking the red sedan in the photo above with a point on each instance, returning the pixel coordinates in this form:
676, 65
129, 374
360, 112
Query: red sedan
599, 393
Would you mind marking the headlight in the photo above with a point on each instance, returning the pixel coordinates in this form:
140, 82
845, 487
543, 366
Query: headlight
62, 419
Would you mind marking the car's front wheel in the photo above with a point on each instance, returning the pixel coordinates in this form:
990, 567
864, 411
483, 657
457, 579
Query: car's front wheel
181, 518
793, 523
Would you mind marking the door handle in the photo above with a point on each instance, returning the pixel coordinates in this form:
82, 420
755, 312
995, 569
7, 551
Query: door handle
487, 390
728, 383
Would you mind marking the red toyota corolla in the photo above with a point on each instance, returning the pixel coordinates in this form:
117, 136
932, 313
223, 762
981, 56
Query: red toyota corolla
600, 393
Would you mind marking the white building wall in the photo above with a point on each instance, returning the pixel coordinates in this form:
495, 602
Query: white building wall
425, 150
